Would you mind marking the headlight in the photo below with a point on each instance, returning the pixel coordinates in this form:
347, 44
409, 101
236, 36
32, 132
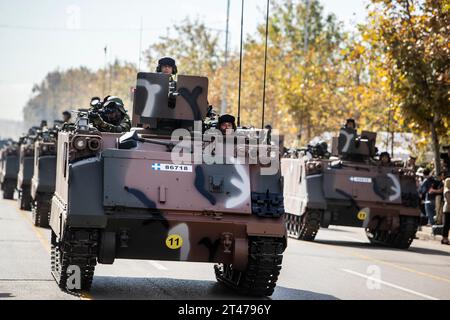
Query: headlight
80, 144
94, 144
313, 168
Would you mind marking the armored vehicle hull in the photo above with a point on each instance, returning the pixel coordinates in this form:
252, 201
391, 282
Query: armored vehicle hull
43, 182
26, 168
321, 192
128, 199
9, 172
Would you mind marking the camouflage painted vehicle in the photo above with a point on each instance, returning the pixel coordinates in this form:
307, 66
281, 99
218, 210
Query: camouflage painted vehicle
26, 168
9, 169
44, 176
123, 197
350, 189
4, 143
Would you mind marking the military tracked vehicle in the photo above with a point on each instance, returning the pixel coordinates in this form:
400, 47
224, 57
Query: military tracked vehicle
44, 175
125, 197
26, 168
9, 169
350, 188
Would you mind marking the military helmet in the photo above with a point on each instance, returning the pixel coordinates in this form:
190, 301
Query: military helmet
350, 121
167, 61
385, 154
115, 101
227, 118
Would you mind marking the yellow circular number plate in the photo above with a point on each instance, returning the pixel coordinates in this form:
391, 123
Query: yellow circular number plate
174, 242
362, 216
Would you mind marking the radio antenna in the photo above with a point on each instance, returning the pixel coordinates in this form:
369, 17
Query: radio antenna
240, 65
265, 64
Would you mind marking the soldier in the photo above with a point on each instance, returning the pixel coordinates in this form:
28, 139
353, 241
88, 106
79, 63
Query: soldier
66, 116
385, 159
112, 118
168, 66
350, 124
227, 124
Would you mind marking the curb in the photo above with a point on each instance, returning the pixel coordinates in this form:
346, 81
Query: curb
427, 235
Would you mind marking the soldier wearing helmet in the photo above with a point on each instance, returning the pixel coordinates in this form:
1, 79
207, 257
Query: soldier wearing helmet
112, 117
227, 124
385, 159
350, 124
168, 66
67, 116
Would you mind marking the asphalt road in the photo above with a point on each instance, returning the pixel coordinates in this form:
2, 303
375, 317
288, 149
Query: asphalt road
341, 264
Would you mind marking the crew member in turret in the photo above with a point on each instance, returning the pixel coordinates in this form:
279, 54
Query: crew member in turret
67, 116
385, 159
227, 124
168, 66
112, 118
350, 124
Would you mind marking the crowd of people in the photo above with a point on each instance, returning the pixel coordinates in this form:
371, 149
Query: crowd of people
434, 190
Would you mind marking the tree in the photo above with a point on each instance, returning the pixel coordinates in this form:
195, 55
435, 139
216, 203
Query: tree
72, 89
415, 35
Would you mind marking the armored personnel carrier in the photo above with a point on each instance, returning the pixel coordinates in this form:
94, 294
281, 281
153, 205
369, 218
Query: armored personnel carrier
127, 197
350, 188
5, 142
9, 169
26, 168
44, 175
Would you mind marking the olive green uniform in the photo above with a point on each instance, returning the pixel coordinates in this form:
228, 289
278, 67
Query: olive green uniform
123, 125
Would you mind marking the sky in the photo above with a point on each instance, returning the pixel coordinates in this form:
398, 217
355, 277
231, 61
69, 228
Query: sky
40, 36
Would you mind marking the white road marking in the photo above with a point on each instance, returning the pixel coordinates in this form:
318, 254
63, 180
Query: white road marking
158, 266
390, 284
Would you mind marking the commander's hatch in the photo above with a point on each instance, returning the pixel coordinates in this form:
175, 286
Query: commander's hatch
151, 101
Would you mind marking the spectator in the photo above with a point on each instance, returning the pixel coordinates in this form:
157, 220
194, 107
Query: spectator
437, 189
446, 210
411, 163
429, 200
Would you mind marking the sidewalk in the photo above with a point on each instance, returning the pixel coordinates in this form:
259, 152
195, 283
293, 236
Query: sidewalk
426, 234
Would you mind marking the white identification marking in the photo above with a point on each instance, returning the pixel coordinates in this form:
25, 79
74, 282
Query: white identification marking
349, 138
243, 186
396, 188
158, 266
390, 284
361, 179
171, 167
152, 90
183, 231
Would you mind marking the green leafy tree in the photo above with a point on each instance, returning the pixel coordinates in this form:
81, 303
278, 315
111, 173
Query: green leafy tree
415, 35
